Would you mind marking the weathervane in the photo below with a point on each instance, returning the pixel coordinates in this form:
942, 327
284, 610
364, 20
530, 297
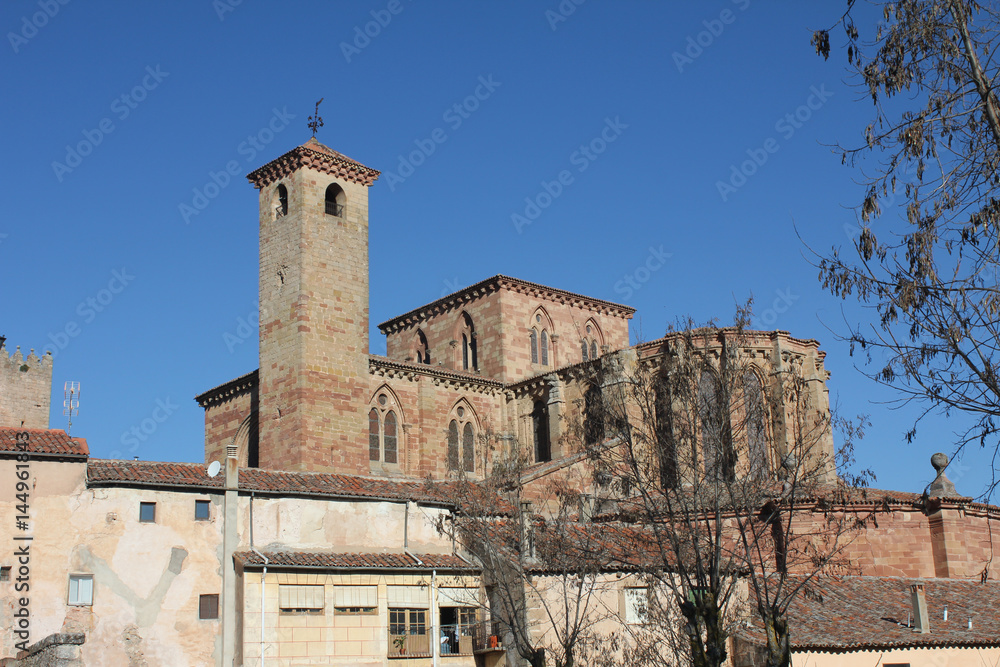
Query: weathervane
316, 122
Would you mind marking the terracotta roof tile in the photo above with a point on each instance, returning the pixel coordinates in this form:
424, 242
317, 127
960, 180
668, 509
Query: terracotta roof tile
105, 472
493, 284
849, 613
323, 560
45, 441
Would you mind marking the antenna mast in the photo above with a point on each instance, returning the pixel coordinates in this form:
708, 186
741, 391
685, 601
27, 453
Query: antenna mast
71, 402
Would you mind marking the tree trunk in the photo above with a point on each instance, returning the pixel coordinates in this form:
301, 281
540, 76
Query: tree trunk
778, 651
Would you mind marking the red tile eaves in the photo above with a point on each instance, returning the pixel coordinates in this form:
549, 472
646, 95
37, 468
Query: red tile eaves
48, 441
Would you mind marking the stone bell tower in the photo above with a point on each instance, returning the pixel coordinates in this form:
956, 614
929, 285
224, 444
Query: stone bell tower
313, 379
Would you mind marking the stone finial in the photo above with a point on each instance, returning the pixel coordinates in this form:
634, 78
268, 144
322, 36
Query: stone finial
941, 486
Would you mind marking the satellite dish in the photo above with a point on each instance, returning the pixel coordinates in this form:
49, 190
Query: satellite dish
213, 468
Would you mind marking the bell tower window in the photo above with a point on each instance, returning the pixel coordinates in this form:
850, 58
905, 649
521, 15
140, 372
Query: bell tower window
281, 201
335, 200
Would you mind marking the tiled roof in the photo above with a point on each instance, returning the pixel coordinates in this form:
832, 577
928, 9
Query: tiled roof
316, 156
44, 441
493, 284
382, 561
111, 472
850, 613
227, 389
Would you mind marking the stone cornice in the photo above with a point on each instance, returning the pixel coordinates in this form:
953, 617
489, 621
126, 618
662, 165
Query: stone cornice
227, 390
388, 368
494, 284
313, 155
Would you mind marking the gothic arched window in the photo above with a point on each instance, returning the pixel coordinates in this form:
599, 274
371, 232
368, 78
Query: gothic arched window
756, 426
389, 438
593, 416
470, 355
713, 418
540, 431
374, 441
545, 348
384, 437
666, 444
533, 339
453, 445
469, 448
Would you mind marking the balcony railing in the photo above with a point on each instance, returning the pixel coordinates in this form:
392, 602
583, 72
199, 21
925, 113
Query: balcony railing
333, 208
452, 640
485, 637
456, 640
409, 646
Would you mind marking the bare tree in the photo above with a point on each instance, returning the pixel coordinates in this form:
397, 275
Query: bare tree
691, 428
932, 278
543, 571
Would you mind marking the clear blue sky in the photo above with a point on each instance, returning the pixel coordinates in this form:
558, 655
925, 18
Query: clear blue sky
153, 98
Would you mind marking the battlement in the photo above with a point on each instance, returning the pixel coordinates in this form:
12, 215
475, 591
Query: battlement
25, 388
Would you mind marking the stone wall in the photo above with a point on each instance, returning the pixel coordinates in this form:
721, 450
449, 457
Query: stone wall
25, 388
313, 327
58, 650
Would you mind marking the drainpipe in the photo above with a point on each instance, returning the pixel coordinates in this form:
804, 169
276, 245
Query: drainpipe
435, 620
263, 575
230, 541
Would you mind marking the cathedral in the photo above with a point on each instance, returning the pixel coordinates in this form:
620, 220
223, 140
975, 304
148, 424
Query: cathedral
310, 534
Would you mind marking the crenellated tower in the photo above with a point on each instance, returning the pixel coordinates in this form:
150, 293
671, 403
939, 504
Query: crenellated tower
25, 388
313, 378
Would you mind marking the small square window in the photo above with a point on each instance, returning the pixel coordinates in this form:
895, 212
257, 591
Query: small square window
202, 510
208, 607
147, 512
5, 573
81, 590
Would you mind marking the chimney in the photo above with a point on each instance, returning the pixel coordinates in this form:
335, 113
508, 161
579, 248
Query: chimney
921, 622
